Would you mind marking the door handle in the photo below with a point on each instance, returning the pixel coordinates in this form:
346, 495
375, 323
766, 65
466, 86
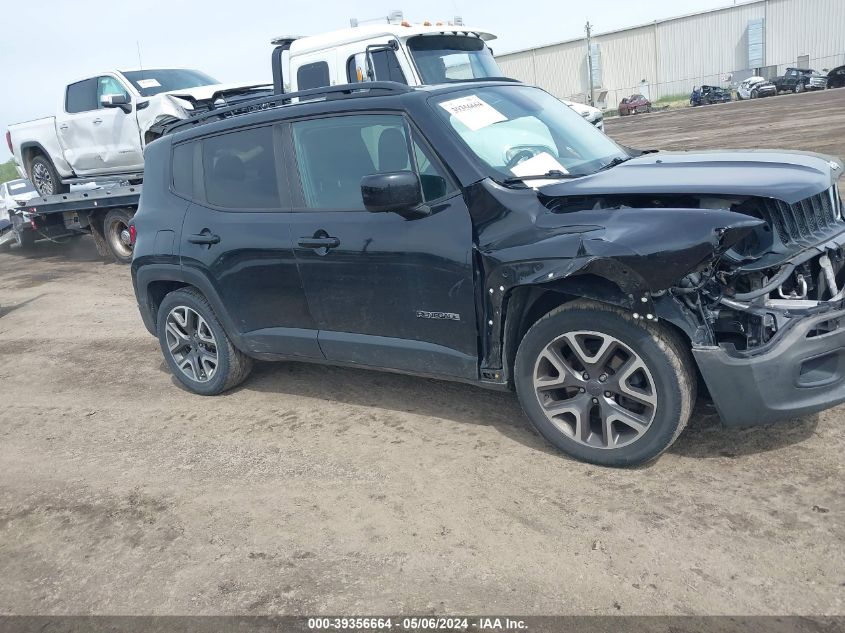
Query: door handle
64, 126
206, 237
318, 242
97, 121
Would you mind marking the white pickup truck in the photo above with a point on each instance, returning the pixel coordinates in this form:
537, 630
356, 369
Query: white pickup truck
102, 126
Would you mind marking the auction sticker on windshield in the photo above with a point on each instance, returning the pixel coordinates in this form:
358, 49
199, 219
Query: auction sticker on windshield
148, 83
473, 112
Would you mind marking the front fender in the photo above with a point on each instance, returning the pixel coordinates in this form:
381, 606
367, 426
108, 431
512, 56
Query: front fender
640, 251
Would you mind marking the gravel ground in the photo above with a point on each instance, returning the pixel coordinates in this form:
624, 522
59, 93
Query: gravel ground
324, 490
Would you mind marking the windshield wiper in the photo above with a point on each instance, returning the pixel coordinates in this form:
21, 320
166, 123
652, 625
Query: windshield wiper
616, 161
552, 174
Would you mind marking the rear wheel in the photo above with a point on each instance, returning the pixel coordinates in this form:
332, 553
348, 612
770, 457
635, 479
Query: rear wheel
44, 177
25, 239
602, 386
195, 345
116, 232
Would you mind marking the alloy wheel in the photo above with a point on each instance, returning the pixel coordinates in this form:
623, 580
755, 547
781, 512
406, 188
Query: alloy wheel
42, 179
191, 343
595, 389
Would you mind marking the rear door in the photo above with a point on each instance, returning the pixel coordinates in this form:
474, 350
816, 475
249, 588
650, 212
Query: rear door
386, 291
75, 126
236, 234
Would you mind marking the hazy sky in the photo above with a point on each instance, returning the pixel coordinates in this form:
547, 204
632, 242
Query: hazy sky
50, 42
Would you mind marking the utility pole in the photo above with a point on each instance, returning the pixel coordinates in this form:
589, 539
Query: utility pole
589, 29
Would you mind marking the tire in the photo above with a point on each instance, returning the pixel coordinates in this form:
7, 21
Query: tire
44, 177
116, 232
799, 88
25, 239
754, 94
661, 365
232, 365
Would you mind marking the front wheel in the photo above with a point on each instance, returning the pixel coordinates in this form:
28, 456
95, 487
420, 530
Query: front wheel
116, 232
195, 345
754, 94
799, 88
602, 386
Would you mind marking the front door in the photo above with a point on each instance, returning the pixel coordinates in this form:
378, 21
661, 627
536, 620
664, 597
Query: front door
116, 134
236, 235
386, 290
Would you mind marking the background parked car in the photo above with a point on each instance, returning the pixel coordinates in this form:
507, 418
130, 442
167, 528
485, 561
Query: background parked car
755, 87
590, 114
836, 77
705, 95
14, 193
800, 79
635, 104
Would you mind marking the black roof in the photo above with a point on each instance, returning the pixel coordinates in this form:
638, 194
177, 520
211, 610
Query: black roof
354, 96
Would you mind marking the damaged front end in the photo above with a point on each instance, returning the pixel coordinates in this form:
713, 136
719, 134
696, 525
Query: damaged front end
756, 283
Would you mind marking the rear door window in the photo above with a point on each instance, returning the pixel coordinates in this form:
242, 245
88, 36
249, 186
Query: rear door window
81, 96
239, 170
315, 75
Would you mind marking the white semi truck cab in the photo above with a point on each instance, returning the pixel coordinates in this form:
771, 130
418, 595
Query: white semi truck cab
409, 54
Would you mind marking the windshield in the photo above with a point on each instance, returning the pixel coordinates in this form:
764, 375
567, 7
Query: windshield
442, 58
152, 82
523, 131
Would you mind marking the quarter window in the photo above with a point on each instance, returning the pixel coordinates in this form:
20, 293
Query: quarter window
183, 169
239, 170
314, 75
82, 96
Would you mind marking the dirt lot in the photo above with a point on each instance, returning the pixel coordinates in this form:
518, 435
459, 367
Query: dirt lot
313, 489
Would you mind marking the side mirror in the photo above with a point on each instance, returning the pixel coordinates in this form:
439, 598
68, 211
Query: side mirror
116, 101
397, 191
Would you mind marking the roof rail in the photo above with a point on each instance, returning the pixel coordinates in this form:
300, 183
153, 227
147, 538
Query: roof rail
279, 100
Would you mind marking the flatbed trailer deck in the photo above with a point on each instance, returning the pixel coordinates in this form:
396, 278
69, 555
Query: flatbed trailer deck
104, 213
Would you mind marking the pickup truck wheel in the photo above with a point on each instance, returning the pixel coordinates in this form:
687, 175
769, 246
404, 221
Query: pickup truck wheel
602, 386
196, 347
116, 231
799, 87
45, 179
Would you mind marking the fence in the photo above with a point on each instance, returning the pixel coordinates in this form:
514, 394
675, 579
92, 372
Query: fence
683, 87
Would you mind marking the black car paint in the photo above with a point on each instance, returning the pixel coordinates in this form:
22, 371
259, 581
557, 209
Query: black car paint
483, 253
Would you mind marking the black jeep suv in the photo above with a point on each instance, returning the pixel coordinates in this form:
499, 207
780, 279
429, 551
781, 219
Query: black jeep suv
484, 232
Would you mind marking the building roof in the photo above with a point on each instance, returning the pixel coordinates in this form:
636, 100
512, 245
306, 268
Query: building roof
634, 27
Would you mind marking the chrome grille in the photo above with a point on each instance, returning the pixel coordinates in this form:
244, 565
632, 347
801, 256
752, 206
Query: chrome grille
807, 220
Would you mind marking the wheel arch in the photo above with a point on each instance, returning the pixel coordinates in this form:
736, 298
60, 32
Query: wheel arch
153, 282
527, 304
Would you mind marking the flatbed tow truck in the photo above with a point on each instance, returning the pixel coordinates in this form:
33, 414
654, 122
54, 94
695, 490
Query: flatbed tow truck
104, 213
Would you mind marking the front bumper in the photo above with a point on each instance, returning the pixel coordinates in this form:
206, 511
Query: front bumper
798, 373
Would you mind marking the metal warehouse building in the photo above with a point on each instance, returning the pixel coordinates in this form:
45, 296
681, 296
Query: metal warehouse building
669, 57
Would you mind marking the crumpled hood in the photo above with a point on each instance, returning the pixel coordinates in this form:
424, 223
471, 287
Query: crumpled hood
786, 176
202, 92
